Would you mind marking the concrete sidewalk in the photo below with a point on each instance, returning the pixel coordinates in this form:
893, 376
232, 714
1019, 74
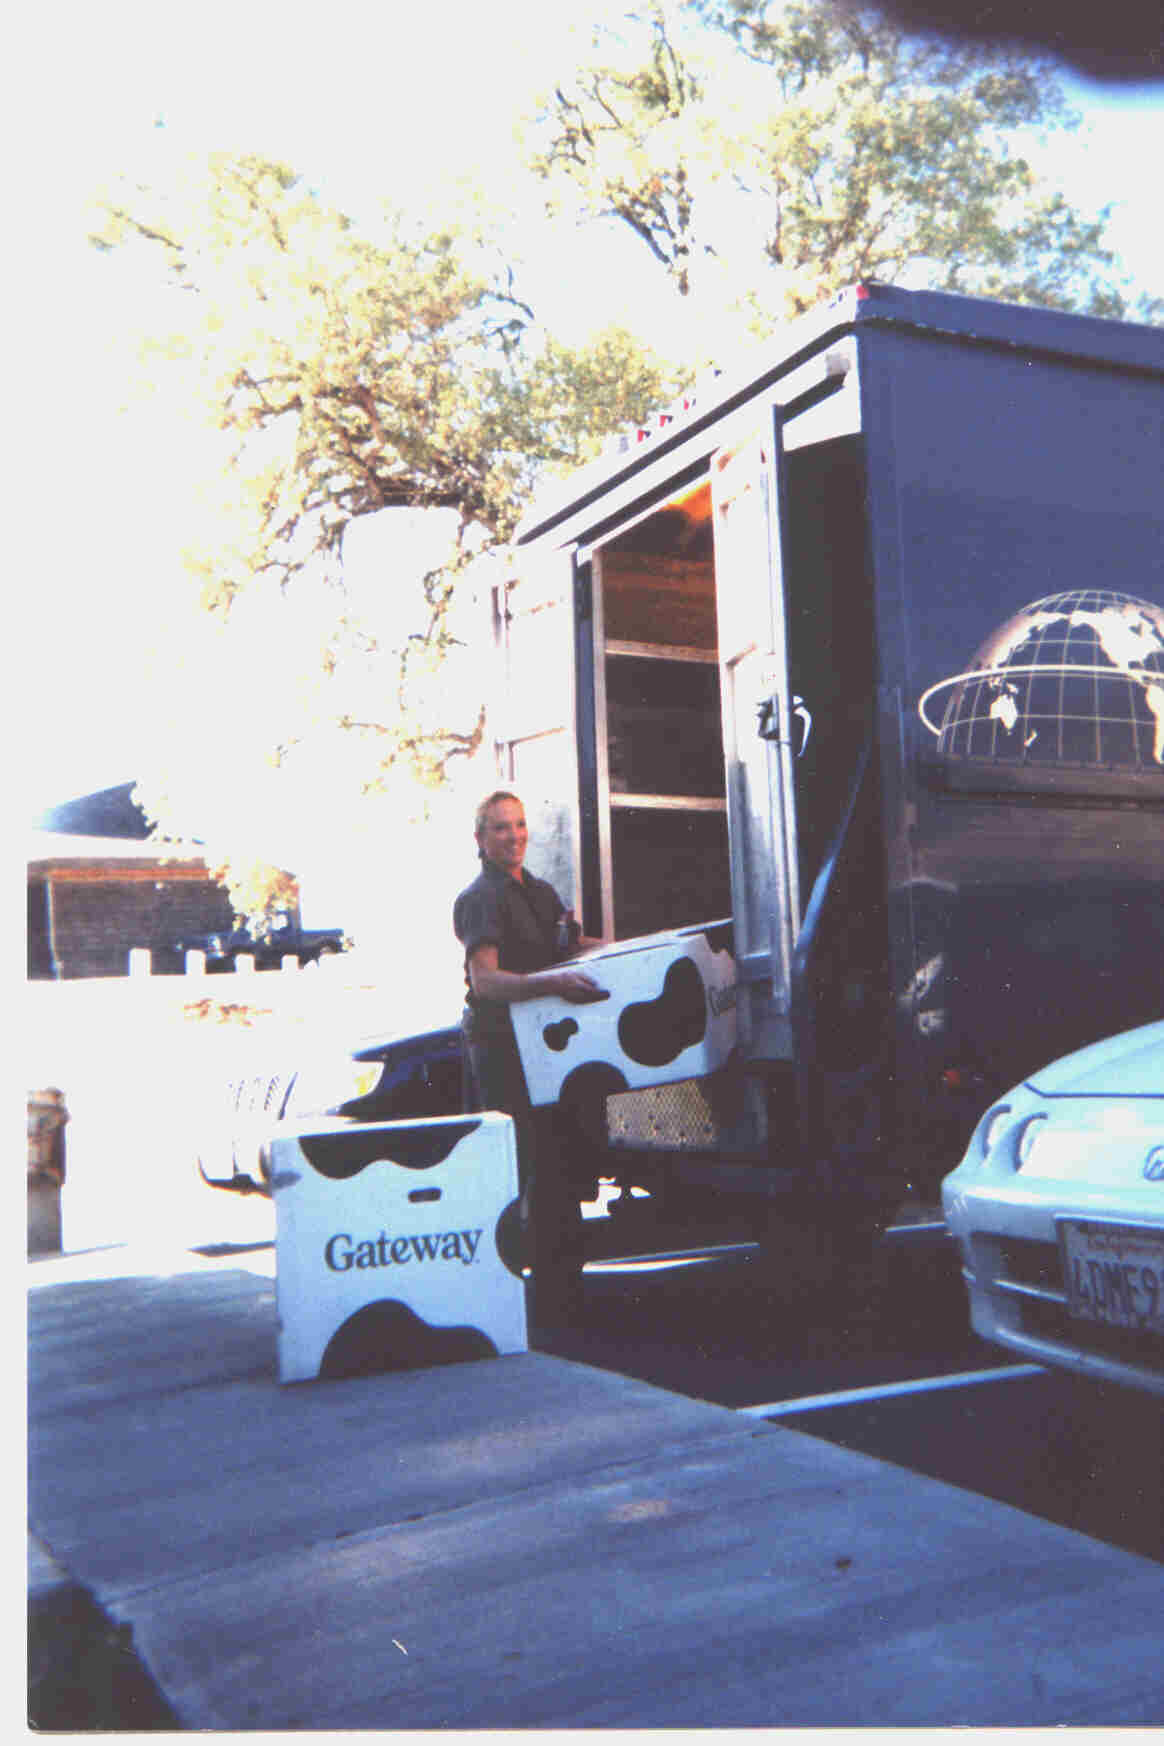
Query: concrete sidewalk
526, 1542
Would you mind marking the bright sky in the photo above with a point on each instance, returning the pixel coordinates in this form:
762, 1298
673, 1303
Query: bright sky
362, 96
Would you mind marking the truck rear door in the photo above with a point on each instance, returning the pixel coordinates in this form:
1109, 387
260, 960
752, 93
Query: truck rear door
762, 733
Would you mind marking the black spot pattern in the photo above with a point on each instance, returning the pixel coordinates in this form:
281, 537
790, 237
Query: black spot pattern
654, 1032
557, 1035
388, 1335
350, 1150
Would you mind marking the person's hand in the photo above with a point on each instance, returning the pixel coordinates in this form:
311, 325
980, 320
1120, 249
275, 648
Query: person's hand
577, 988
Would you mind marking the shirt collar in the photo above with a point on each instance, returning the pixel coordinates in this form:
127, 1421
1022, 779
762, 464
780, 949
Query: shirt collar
499, 876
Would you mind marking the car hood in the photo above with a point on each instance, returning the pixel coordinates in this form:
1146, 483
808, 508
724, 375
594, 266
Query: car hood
1130, 1065
374, 1043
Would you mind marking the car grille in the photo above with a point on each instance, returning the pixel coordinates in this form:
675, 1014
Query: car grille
260, 1094
1049, 1321
1028, 1275
1025, 1262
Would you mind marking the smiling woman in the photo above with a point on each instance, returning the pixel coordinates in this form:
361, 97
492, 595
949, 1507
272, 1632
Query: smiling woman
516, 932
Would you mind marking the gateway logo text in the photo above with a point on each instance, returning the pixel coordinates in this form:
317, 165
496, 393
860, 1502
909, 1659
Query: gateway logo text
342, 1252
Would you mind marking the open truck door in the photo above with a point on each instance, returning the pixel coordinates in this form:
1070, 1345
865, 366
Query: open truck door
762, 733
803, 813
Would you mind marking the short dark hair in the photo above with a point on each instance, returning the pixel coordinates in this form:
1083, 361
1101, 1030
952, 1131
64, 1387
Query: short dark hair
491, 800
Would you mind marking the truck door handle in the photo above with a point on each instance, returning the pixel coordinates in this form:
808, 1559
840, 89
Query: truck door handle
768, 726
800, 711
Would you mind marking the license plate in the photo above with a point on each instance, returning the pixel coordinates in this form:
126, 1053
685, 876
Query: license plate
1114, 1274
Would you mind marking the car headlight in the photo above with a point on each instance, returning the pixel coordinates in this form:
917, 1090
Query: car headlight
325, 1086
994, 1127
1028, 1137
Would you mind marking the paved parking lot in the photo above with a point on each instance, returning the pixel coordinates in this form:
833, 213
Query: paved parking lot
527, 1541
530, 1541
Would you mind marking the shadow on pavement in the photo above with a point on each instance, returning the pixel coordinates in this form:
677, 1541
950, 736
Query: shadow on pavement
83, 1670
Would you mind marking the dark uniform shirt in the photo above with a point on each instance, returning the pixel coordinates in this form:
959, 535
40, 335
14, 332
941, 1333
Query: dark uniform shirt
520, 918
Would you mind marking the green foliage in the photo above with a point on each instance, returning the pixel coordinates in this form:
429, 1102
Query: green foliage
622, 134
332, 372
348, 374
352, 373
846, 149
627, 137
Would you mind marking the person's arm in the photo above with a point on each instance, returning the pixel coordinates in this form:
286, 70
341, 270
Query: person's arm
489, 982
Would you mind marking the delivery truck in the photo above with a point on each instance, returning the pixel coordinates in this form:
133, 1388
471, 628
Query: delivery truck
848, 672
856, 660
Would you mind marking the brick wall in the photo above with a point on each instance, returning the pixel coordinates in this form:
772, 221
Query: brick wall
97, 920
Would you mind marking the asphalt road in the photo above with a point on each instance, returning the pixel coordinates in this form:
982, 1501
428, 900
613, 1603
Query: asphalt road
728, 1328
1088, 1457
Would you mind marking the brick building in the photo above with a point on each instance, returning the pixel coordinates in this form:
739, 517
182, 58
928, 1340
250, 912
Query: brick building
92, 901
98, 889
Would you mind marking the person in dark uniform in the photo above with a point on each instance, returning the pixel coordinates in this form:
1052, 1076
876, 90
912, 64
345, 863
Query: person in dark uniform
516, 932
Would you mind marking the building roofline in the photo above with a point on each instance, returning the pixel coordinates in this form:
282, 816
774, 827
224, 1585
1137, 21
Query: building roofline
48, 849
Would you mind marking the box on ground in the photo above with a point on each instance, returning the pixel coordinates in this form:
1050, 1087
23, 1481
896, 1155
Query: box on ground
389, 1241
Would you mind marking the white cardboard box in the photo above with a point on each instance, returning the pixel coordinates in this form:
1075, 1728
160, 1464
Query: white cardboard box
386, 1245
671, 1015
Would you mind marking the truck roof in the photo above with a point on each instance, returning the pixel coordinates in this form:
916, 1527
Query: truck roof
1086, 339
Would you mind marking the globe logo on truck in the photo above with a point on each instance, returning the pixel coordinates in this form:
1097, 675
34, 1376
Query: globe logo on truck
1076, 678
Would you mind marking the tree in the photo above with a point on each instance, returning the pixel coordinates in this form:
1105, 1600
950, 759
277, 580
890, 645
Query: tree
628, 136
336, 372
831, 148
354, 373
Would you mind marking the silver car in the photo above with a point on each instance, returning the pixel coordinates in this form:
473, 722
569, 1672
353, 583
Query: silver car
1058, 1210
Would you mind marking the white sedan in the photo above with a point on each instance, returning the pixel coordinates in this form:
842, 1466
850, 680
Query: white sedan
1058, 1210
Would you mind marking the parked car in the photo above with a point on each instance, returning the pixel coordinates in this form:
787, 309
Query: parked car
1058, 1209
377, 1079
285, 940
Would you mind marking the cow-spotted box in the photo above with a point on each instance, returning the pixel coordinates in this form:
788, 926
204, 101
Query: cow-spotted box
396, 1245
670, 1015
